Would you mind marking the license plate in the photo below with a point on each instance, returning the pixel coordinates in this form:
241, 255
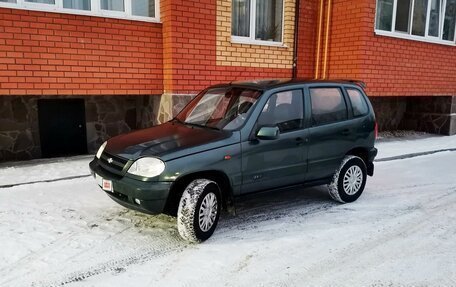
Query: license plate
105, 184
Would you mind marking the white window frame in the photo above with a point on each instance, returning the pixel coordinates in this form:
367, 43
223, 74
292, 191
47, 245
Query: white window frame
250, 40
95, 6
409, 36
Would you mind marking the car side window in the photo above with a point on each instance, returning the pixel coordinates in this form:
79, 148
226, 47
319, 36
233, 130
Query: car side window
284, 109
358, 102
328, 106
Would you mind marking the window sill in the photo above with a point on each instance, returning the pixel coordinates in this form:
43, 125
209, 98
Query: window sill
414, 38
249, 41
54, 9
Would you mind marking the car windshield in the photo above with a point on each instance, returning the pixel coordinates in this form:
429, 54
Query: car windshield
224, 108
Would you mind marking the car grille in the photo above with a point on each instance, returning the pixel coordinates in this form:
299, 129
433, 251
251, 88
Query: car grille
113, 164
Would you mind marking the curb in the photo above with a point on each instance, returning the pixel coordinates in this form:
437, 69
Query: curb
410, 155
404, 156
45, 180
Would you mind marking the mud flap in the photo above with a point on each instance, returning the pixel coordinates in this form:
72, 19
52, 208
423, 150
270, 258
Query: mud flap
370, 168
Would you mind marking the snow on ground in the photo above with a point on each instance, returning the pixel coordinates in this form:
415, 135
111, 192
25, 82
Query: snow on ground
414, 144
44, 169
401, 232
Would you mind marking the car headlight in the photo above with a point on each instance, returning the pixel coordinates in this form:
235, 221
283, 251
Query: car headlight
101, 149
147, 166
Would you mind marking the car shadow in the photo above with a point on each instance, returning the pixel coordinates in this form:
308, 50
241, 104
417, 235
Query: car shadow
293, 203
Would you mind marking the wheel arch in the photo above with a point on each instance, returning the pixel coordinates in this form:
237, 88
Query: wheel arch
363, 153
177, 189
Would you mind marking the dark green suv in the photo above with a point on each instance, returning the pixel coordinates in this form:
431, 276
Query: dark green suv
238, 138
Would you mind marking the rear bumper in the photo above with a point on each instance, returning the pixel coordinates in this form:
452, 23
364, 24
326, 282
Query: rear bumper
370, 161
152, 196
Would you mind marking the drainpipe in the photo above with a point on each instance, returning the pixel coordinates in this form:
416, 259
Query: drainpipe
317, 58
328, 24
295, 46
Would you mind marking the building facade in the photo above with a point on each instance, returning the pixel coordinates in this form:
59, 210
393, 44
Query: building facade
76, 72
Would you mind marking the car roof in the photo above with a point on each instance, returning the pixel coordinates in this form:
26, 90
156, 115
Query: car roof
266, 84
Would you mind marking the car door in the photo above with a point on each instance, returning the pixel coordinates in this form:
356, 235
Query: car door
278, 162
330, 134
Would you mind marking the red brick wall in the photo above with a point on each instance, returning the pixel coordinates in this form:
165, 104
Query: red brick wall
52, 53
307, 40
389, 66
190, 53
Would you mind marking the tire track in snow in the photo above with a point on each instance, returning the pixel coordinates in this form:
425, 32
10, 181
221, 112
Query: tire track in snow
115, 256
416, 219
119, 265
47, 251
113, 253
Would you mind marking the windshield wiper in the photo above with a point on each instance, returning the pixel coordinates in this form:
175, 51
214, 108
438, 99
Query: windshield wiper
177, 120
200, 125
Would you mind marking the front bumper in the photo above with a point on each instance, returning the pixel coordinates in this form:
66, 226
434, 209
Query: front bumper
152, 195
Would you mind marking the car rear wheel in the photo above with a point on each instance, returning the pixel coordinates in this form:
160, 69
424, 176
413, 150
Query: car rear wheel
199, 210
349, 180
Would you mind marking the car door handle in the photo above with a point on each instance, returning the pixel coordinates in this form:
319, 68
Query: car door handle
299, 140
345, 132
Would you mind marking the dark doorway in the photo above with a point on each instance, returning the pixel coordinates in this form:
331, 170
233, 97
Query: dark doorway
62, 127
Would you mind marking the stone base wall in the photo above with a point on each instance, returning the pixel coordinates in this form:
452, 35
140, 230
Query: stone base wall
432, 114
171, 105
19, 137
389, 111
106, 116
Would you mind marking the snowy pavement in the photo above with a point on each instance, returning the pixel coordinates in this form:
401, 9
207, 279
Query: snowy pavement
401, 232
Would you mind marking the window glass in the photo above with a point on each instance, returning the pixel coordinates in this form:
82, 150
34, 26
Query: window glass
220, 108
419, 17
434, 18
144, 8
76, 4
240, 21
41, 1
113, 5
284, 109
384, 14
130, 9
268, 20
403, 15
264, 17
358, 102
449, 20
413, 17
328, 105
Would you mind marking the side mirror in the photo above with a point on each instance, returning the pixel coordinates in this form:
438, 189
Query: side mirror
268, 133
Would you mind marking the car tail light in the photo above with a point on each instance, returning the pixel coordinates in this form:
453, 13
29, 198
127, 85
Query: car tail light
376, 130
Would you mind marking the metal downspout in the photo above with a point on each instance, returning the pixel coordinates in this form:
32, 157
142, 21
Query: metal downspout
328, 24
296, 33
317, 58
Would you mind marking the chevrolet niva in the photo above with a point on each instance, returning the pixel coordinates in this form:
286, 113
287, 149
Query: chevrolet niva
238, 138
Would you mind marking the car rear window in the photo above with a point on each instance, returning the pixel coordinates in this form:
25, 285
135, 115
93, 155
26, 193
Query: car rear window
358, 102
328, 105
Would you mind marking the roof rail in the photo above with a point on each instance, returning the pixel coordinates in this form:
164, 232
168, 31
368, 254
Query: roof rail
357, 82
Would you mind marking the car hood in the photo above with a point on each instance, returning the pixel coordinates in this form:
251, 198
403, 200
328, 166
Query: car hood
168, 141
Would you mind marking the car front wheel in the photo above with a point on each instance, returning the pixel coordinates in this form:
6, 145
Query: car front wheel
199, 210
349, 180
